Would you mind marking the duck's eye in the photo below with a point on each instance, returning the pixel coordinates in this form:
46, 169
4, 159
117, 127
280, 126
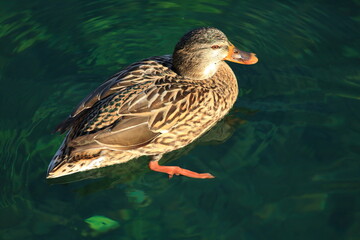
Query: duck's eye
215, 46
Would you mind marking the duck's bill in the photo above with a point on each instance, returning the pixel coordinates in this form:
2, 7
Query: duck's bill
235, 55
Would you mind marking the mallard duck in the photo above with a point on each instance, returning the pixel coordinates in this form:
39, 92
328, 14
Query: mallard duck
153, 106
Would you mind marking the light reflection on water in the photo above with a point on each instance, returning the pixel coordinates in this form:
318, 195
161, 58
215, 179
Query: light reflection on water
286, 159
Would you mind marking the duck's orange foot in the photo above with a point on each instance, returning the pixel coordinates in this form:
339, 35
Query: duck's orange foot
174, 170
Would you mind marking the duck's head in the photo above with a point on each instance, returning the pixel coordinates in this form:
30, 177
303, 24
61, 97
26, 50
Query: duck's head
198, 53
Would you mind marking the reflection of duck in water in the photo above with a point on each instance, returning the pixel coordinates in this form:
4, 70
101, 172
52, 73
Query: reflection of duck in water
153, 107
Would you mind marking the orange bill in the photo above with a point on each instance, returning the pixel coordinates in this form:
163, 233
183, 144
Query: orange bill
235, 55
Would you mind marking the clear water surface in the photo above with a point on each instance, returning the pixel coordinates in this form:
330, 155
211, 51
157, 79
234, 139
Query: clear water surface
286, 158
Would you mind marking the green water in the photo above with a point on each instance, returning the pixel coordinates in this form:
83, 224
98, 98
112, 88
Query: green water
286, 160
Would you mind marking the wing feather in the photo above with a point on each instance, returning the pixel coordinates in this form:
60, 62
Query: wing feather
146, 101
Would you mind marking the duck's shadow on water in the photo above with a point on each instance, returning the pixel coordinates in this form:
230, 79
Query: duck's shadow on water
126, 173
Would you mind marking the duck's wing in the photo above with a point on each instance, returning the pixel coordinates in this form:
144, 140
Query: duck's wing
133, 115
131, 75
138, 121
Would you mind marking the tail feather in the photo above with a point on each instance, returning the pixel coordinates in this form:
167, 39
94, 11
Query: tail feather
64, 162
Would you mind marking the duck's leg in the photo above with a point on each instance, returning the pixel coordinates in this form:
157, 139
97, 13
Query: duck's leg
175, 170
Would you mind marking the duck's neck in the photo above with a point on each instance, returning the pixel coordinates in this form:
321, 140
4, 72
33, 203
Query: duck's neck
196, 70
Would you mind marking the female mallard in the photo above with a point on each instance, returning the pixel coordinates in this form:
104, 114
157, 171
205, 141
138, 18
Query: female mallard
153, 107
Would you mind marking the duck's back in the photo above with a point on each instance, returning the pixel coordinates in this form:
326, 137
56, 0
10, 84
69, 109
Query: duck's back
146, 109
